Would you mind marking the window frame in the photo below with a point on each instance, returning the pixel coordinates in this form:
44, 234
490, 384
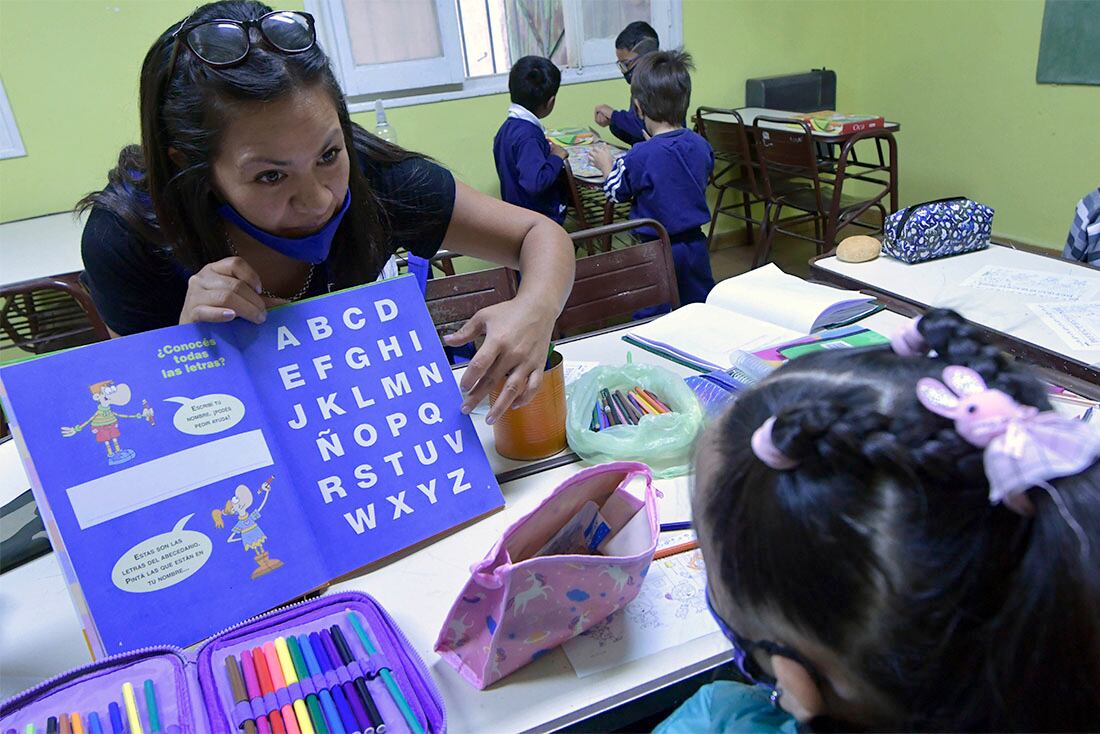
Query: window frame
671, 34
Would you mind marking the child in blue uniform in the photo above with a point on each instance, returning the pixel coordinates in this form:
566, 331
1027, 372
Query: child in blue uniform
634, 42
901, 539
529, 166
666, 176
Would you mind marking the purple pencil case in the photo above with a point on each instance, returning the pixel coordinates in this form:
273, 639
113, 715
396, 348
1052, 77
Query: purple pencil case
193, 690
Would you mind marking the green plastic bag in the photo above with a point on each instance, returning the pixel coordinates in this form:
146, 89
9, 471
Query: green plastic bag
664, 442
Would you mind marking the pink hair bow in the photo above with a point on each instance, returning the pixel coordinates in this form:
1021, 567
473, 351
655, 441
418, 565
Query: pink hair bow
1023, 447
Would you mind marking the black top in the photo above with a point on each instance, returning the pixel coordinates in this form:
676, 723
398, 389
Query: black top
137, 285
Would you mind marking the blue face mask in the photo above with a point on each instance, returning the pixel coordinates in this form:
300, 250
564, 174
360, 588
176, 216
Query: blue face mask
312, 248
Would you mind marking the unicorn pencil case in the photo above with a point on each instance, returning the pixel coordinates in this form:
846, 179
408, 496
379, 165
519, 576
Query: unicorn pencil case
337, 664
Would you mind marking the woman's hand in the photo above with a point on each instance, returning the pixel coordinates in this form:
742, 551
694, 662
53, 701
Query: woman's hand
517, 340
222, 291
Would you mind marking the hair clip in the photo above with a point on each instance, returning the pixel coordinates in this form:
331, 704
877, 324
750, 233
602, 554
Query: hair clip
1023, 446
765, 449
908, 341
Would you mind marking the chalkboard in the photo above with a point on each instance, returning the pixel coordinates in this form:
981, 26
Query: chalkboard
1069, 48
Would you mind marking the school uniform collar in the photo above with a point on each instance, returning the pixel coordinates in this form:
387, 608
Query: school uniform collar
522, 113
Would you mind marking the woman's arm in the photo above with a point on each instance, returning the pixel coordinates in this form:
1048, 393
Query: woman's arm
517, 333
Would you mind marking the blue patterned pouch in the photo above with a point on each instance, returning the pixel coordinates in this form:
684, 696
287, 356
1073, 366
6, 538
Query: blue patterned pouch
937, 229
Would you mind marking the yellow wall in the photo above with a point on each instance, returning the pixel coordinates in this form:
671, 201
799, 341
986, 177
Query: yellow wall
959, 76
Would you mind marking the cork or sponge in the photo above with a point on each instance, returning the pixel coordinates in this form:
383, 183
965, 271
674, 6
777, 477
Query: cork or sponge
858, 249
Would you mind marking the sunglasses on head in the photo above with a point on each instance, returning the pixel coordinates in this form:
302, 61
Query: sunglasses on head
223, 42
746, 662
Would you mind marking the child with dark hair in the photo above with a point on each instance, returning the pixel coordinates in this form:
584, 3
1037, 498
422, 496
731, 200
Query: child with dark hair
529, 166
632, 43
666, 176
902, 542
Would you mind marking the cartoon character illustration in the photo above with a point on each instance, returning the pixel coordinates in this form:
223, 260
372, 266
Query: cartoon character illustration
620, 577
105, 420
246, 531
642, 614
579, 622
147, 413
536, 589
458, 629
690, 598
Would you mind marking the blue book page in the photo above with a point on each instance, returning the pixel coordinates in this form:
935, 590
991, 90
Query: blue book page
360, 395
172, 502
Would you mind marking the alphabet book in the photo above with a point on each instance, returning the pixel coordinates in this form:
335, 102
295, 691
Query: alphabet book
197, 475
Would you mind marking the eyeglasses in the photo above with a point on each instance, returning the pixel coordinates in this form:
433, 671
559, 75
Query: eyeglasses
649, 45
746, 662
223, 42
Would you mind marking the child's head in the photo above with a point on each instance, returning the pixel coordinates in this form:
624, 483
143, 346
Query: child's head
533, 83
878, 562
633, 42
661, 86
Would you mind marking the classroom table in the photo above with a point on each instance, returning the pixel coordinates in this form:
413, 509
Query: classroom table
853, 167
40, 247
1005, 315
40, 635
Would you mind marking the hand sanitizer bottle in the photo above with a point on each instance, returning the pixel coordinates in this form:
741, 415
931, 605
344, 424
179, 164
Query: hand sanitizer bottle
382, 126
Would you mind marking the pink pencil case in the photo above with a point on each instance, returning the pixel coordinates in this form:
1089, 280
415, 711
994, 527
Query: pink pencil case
193, 691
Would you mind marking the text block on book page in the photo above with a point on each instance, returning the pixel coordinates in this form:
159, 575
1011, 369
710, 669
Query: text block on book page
129, 490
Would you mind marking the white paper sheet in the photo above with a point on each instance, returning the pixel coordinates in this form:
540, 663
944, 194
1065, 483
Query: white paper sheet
575, 369
1077, 323
669, 610
1032, 283
675, 505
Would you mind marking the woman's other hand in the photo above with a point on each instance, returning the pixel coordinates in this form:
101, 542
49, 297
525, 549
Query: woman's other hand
222, 291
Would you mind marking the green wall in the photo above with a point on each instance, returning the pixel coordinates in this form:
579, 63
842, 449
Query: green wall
959, 76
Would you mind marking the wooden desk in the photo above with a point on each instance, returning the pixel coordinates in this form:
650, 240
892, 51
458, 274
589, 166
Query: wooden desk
749, 115
1005, 316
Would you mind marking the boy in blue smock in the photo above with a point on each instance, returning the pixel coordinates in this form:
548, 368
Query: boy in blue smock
666, 175
634, 42
530, 166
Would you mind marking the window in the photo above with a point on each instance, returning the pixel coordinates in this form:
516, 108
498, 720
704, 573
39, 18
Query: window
411, 51
11, 145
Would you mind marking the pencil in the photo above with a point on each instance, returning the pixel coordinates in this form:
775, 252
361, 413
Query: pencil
649, 407
656, 400
673, 550
131, 708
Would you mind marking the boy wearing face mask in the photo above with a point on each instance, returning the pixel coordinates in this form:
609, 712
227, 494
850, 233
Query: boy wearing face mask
634, 42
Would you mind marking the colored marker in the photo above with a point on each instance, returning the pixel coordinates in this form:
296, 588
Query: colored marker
236, 686
346, 689
116, 718
300, 647
63, 724
78, 725
252, 688
344, 649
387, 677
131, 709
306, 722
330, 722
637, 405
30, 729
264, 676
151, 706
94, 727
656, 401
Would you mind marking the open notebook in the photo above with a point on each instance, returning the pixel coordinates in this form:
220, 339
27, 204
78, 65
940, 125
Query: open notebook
746, 313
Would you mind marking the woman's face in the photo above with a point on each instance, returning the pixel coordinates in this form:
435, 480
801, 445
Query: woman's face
283, 164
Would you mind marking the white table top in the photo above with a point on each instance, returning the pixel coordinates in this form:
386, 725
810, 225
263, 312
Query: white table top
749, 115
939, 283
40, 635
40, 247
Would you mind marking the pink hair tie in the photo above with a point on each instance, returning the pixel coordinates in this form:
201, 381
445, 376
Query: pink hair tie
765, 449
908, 341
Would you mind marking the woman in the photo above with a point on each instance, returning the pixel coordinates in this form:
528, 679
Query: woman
252, 187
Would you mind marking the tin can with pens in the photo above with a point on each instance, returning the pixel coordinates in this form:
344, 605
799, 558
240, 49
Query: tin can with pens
536, 430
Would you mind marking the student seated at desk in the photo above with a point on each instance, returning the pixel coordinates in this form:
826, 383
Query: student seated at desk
1083, 242
530, 166
634, 42
666, 176
883, 559
252, 187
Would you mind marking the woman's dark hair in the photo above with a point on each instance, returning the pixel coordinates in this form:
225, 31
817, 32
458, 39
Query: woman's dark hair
883, 545
175, 207
533, 81
661, 85
638, 37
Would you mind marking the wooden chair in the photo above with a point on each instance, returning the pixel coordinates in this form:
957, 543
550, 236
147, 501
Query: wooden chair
735, 170
48, 314
618, 283
453, 300
589, 207
789, 155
